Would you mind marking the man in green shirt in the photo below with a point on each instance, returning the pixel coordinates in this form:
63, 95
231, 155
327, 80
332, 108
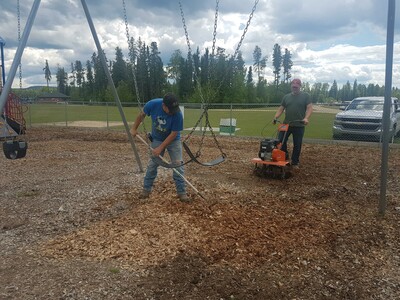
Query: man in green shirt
298, 108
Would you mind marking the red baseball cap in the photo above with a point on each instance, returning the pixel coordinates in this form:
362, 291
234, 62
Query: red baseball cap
296, 82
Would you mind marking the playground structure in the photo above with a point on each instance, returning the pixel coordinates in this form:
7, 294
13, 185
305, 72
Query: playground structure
12, 146
12, 122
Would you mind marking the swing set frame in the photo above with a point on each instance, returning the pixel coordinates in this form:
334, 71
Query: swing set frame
18, 55
194, 156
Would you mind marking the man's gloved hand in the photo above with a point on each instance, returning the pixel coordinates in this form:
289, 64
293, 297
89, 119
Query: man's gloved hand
274, 121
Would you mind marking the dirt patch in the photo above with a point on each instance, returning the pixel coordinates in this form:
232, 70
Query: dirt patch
73, 227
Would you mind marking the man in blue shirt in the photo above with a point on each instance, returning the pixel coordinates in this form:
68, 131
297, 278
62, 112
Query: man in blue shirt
167, 123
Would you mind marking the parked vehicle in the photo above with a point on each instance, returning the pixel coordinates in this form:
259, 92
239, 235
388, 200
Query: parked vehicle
362, 120
344, 104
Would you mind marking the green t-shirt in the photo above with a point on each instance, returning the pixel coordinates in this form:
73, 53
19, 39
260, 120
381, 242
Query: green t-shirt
295, 108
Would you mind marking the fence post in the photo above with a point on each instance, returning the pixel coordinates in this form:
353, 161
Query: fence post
30, 114
65, 114
107, 114
230, 120
201, 122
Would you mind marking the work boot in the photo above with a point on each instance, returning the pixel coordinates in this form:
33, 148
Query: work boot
144, 194
295, 166
184, 198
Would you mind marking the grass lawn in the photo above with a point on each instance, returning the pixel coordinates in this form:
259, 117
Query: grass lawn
250, 122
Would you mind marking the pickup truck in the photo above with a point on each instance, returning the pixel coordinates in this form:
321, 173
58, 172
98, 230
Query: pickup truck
362, 120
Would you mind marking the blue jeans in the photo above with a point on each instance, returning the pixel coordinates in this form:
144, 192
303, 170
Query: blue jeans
175, 153
297, 133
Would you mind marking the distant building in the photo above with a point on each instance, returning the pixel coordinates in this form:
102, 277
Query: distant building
52, 97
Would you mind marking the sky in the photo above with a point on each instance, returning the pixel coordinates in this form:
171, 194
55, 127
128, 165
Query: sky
342, 40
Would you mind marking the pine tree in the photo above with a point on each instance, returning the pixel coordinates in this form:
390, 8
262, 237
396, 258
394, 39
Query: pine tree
72, 76
175, 66
277, 63
62, 78
333, 91
157, 75
355, 89
119, 72
89, 77
100, 78
79, 73
259, 62
287, 66
142, 71
205, 68
196, 66
47, 73
251, 93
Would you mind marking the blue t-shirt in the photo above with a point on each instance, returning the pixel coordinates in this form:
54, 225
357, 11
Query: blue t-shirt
162, 123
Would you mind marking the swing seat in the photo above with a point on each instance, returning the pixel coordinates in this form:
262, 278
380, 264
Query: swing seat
193, 157
165, 164
15, 149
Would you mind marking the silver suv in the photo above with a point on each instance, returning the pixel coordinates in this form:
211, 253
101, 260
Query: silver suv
362, 120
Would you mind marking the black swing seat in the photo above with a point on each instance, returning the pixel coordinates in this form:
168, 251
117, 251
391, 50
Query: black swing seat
165, 164
214, 162
15, 149
193, 157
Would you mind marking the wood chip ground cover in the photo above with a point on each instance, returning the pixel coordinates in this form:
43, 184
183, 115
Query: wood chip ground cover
73, 226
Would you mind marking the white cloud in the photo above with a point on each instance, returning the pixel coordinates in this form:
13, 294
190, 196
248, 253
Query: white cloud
342, 40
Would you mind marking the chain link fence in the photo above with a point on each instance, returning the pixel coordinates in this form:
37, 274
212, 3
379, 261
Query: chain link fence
360, 121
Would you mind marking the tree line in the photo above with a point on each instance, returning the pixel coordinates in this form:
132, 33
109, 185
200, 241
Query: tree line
198, 78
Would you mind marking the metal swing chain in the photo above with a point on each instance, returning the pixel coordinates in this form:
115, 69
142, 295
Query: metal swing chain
127, 30
194, 128
240, 41
215, 28
190, 51
197, 81
207, 123
19, 40
131, 51
185, 28
246, 28
214, 136
214, 34
213, 51
212, 58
